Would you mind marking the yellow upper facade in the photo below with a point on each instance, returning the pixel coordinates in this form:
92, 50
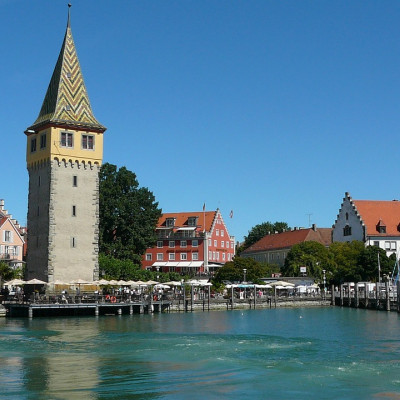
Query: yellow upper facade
66, 127
64, 144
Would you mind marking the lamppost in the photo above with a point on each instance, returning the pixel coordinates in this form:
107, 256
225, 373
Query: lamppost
158, 269
244, 275
323, 271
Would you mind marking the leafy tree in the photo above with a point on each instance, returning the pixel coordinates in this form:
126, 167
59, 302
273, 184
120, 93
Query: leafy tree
128, 214
346, 261
113, 268
233, 271
312, 255
259, 231
368, 263
7, 273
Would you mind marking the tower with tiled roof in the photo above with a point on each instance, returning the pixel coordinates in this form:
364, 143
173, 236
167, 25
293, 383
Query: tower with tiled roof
64, 154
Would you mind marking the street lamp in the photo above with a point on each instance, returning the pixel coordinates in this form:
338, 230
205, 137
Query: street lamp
323, 271
158, 269
244, 274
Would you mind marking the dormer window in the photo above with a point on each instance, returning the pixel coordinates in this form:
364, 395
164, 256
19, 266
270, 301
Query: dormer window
381, 227
170, 222
192, 221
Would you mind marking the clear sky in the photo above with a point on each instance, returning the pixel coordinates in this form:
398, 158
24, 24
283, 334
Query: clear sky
272, 109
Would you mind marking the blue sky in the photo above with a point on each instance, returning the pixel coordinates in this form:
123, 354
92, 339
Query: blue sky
272, 109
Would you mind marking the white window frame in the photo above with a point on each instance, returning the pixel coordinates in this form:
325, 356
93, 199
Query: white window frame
86, 145
160, 256
183, 256
159, 244
195, 256
183, 243
171, 256
171, 244
67, 140
148, 257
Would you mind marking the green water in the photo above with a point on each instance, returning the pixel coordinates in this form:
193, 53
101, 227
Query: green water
314, 353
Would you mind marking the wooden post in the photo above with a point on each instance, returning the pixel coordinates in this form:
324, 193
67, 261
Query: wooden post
356, 296
130, 310
341, 295
209, 295
398, 295
387, 296
30, 312
232, 298
349, 295
255, 296
96, 311
119, 311
275, 295
366, 294
191, 297
333, 294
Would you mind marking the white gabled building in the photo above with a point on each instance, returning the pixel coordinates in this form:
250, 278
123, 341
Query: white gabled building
374, 222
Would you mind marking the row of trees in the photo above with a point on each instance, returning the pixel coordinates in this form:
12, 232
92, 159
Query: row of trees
342, 261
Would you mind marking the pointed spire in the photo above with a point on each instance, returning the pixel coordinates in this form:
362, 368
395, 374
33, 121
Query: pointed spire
69, 15
66, 102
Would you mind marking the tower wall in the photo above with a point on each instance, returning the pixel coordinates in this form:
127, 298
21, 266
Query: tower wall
38, 220
68, 245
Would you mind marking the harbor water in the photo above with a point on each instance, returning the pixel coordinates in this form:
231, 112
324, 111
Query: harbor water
299, 353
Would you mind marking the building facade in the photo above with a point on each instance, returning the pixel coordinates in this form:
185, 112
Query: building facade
64, 153
273, 249
192, 243
12, 239
374, 222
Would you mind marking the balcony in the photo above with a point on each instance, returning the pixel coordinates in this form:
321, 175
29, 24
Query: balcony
8, 257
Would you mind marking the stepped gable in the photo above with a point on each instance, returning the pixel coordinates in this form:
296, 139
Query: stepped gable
67, 102
290, 238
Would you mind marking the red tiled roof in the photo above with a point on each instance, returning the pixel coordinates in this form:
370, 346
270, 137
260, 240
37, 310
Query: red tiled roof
375, 212
181, 219
290, 238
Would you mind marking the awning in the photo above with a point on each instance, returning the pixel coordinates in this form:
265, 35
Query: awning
187, 228
186, 264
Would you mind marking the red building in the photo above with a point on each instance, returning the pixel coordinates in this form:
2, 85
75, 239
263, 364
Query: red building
190, 243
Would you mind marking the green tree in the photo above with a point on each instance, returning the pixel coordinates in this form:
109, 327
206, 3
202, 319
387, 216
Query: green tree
7, 273
346, 261
368, 263
128, 214
312, 255
259, 231
233, 271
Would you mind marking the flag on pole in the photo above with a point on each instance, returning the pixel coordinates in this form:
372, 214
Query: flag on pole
231, 214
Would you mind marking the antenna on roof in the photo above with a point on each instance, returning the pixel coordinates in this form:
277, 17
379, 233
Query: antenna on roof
309, 219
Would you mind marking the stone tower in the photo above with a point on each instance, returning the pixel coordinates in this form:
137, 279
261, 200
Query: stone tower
64, 154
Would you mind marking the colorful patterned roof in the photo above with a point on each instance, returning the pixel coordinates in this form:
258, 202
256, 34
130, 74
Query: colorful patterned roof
66, 102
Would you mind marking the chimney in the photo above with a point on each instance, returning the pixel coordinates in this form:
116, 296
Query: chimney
314, 227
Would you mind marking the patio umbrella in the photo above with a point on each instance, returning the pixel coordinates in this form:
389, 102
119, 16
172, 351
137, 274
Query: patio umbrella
80, 282
14, 282
59, 282
122, 282
162, 286
173, 283
151, 283
113, 282
35, 281
103, 282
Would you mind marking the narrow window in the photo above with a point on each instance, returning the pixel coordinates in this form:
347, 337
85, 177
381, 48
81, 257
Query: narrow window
74, 211
75, 181
39, 180
43, 141
73, 242
33, 145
